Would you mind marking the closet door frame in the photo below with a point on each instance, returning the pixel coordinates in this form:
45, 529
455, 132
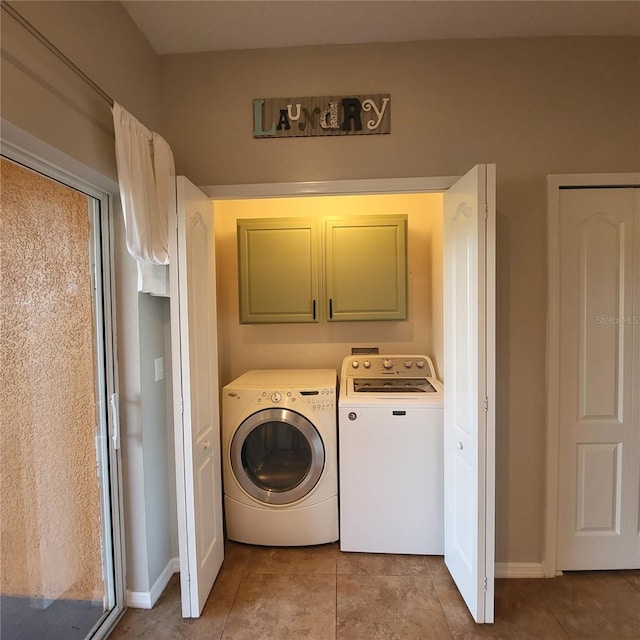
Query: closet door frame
554, 184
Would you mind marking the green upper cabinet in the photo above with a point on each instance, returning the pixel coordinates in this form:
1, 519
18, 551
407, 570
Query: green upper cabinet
278, 270
363, 275
366, 268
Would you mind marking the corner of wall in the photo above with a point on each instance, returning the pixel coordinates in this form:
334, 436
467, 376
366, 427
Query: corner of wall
147, 599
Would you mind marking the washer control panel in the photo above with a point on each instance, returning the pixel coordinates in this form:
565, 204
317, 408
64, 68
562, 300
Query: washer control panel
318, 399
388, 365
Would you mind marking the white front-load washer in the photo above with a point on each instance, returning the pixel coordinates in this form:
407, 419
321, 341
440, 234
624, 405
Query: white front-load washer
391, 422
279, 448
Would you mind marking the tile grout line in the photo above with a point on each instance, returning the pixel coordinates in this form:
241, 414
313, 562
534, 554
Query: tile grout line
235, 597
564, 630
444, 613
632, 583
555, 617
336, 623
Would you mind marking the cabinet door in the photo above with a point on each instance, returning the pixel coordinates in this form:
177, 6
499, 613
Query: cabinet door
278, 270
366, 268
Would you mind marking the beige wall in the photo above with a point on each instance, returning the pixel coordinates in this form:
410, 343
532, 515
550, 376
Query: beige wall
42, 96
50, 494
325, 344
532, 106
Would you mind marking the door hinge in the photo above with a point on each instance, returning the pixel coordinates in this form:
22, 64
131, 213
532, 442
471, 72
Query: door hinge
486, 404
486, 210
485, 583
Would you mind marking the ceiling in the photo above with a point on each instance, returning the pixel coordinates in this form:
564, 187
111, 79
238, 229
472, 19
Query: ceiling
186, 26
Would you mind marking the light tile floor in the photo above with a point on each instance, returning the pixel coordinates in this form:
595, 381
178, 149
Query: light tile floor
320, 593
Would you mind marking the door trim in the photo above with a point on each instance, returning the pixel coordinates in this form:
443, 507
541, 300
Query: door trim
367, 186
555, 183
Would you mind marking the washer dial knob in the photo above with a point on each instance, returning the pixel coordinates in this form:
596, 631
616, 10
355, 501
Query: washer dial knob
387, 364
276, 397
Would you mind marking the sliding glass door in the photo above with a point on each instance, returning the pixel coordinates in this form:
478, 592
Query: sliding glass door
61, 573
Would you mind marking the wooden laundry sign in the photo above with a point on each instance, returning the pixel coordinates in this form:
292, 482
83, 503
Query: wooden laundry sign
321, 116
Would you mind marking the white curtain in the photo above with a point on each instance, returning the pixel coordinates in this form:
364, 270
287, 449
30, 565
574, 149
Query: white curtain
146, 174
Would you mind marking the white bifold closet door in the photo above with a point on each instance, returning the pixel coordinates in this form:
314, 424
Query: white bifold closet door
469, 366
196, 396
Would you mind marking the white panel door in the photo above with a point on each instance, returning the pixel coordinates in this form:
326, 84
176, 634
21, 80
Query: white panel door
599, 452
196, 398
469, 366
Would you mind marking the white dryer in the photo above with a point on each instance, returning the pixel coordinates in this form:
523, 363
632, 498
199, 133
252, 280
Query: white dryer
279, 448
391, 422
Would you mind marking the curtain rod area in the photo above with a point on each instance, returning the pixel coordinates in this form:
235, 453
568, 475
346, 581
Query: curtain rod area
56, 52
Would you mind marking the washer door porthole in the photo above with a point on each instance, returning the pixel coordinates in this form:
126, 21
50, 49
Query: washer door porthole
277, 456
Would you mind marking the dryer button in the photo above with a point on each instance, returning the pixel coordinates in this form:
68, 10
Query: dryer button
276, 397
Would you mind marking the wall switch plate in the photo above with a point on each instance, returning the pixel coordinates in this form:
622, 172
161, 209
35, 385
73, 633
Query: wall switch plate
158, 364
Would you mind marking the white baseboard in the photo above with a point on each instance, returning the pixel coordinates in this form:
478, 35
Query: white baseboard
146, 599
519, 570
